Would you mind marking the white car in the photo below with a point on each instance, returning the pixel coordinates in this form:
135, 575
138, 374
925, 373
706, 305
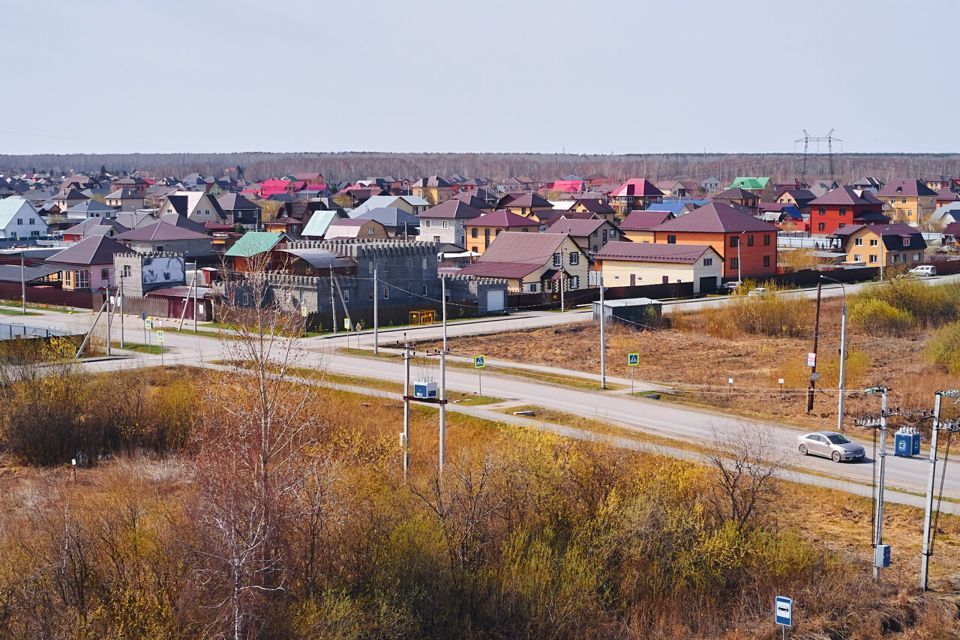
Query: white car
830, 444
923, 271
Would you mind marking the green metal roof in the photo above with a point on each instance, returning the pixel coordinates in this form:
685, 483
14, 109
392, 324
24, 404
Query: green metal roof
749, 182
253, 242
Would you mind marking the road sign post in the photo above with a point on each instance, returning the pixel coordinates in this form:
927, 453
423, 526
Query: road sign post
633, 361
783, 613
479, 362
160, 342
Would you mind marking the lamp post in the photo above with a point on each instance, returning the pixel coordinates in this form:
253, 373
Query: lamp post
841, 385
739, 261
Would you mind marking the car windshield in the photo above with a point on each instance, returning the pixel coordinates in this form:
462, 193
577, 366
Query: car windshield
837, 439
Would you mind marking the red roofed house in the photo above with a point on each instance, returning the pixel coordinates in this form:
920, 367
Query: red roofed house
638, 226
482, 231
631, 264
277, 186
590, 233
533, 262
734, 233
635, 193
844, 206
568, 185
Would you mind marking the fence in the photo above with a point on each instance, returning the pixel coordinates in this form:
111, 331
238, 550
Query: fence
810, 277
11, 331
551, 300
47, 295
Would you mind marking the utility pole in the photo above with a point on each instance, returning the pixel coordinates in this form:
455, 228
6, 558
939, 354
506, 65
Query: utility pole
109, 303
376, 310
443, 409
603, 337
333, 305
841, 385
121, 311
563, 306
928, 533
739, 261
443, 312
813, 365
23, 284
196, 283
406, 409
881, 474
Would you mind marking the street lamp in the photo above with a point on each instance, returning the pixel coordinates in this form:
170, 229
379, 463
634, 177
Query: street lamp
843, 351
739, 261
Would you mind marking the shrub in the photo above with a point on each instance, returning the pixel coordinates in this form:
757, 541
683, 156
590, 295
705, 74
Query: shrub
766, 315
877, 316
944, 348
923, 304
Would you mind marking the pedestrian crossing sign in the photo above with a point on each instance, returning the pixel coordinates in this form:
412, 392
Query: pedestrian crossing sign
479, 362
633, 359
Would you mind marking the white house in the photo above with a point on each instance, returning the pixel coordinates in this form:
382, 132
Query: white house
197, 206
632, 264
19, 219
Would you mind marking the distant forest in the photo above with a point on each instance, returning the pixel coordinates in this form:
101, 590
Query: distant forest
358, 165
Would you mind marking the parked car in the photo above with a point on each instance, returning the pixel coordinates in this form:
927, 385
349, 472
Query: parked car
830, 444
923, 271
758, 291
731, 287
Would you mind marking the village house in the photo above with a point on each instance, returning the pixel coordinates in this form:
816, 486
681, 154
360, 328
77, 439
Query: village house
445, 223
710, 185
356, 229
528, 205
239, 211
198, 206
533, 262
909, 201
638, 226
162, 236
19, 219
482, 231
248, 252
590, 234
319, 222
87, 265
124, 200
411, 204
800, 198
844, 206
633, 264
759, 186
90, 209
747, 245
433, 189
738, 197
397, 222
881, 245
635, 193
68, 197
93, 227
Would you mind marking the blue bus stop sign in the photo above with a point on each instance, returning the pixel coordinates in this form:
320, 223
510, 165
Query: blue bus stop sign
783, 612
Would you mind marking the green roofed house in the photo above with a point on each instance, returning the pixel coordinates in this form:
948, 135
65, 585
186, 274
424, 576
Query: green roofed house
253, 244
753, 184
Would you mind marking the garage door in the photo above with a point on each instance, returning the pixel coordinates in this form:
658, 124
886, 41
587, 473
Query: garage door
708, 285
495, 300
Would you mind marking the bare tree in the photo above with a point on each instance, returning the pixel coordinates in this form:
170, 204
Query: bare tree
746, 460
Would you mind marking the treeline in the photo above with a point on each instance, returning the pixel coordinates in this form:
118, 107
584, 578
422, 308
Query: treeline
356, 165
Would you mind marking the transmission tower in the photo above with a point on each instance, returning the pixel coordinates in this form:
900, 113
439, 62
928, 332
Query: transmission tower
829, 139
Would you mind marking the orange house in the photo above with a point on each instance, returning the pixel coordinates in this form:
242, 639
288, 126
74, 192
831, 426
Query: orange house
747, 244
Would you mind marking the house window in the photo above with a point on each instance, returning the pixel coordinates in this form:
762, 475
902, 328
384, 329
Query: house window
574, 257
841, 225
574, 282
821, 226
766, 261
82, 279
734, 241
734, 263
708, 262
20, 221
843, 211
159, 248
873, 258
475, 249
443, 224
423, 290
613, 234
822, 211
557, 260
127, 271
665, 280
766, 239
906, 242
858, 242
749, 241
426, 223
346, 295
34, 234
671, 239
532, 287
473, 232
604, 236
873, 242
371, 231
857, 257
916, 257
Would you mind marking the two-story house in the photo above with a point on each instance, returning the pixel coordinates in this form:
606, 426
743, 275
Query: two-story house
881, 245
533, 262
747, 244
446, 222
590, 234
638, 226
19, 219
635, 193
909, 201
842, 207
482, 231
433, 189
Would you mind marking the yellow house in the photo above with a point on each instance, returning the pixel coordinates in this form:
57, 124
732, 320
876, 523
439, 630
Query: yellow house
883, 245
534, 263
629, 264
638, 225
909, 201
433, 189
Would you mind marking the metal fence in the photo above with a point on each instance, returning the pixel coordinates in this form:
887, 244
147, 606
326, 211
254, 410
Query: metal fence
10, 331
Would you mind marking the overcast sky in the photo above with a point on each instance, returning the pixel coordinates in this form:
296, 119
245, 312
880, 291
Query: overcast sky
621, 76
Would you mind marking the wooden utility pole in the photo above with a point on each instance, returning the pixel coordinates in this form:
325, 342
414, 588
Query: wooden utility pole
813, 365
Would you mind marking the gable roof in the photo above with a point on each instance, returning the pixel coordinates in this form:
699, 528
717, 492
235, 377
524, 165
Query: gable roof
161, 230
91, 206
736, 193
528, 201
453, 209
503, 219
95, 227
177, 220
94, 250
236, 202
10, 207
578, 227
841, 196
319, 223
893, 235
645, 220
649, 252
717, 217
134, 219
254, 242
637, 187
527, 248
910, 188
391, 217
749, 182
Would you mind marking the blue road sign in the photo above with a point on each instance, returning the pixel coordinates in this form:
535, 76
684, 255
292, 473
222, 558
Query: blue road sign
479, 362
783, 612
633, 359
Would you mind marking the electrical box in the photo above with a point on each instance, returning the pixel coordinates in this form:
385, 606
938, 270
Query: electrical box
881, 556
425, 389
906, 442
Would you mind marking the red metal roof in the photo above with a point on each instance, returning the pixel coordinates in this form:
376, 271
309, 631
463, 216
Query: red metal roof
717, 217
649, 252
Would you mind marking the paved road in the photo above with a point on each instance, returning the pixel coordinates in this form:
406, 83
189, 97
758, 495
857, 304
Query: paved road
641, 415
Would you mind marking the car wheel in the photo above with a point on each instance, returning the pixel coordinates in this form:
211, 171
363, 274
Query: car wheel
803, 449
835, 456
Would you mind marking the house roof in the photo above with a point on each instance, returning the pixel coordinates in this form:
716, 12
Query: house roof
649, 252
10, 207
749, 182
236, 202
736, 193
432, 181
161, 230
947, 195
529, 248
349, 227
91, 206
645, 220
380, 202
716, 217
952, 229
843, 196
95, 250
637, 187
391, 217
578, 227
95, 227
510, 270
134, 219
70, 194
254, 242
318, 223
321, 258
177, 220
452, 209
124, 194
528, 201
470, 199
909, 188
893, 235
503, 219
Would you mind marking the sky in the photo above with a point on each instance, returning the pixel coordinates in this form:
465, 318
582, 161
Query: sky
605, 76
